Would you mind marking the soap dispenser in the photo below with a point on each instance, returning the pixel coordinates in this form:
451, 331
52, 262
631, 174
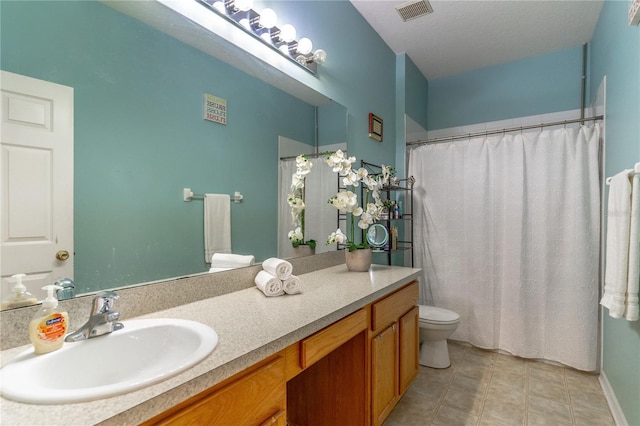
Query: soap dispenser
19, 295
49, 326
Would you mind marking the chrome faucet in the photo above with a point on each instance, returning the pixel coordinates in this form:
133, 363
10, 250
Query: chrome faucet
68, 289
103, 318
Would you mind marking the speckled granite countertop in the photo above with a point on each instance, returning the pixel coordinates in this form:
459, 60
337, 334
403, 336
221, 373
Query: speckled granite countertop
250, 327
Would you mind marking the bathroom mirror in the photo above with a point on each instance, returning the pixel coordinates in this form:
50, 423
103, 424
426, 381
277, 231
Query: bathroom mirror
377, 235
140, 138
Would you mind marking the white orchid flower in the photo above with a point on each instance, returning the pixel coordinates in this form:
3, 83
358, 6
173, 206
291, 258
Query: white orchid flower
297, 182
351, 179
303, 165
365, 220
296, 234
337, 237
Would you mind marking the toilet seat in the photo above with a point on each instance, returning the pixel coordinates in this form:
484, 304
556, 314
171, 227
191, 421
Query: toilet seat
435, 315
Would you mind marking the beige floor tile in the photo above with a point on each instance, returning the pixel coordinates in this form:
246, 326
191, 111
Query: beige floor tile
503, 413
469, 402
510, 364
400, 417
447, 416
509, 377
487, 389
549, 390
421, 399
546, 373
550, 409
592, 418
514, 394
589, 401
469, 384
477, 371
535, 419
582, 382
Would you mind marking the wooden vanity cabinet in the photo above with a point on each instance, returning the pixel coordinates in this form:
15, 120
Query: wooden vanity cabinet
257, 396
394, 349
352, 372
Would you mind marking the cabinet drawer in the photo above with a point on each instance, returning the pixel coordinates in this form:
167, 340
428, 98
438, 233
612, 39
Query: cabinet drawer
315, 347
392, 307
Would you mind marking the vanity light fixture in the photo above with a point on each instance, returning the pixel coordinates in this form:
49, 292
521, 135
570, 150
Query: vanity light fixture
263, 26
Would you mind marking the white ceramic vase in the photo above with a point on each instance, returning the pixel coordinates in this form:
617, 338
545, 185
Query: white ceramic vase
303, 250
358, 260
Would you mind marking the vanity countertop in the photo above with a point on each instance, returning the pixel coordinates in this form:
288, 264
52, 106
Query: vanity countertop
250, 327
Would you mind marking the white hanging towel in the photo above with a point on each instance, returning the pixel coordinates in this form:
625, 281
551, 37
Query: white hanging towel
621, 268
632, 309
226, 260
217, 225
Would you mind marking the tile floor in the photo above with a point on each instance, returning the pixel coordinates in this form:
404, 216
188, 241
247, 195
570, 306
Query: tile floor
485, 388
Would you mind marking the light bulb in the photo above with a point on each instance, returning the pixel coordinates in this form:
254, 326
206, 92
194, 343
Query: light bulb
268, 18
219, 6
320, 56
301, 59
284, 48
288, 33
305, 46
245, 23
243, 5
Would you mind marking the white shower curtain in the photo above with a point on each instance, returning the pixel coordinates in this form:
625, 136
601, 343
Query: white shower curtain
320, 217
507, 232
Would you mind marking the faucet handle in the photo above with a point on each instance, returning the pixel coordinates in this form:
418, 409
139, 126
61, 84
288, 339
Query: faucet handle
104, 302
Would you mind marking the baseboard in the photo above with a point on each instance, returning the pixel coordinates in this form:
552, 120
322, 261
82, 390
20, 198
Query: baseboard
614, 406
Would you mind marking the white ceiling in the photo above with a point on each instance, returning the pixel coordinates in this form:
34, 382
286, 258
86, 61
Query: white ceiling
460, 36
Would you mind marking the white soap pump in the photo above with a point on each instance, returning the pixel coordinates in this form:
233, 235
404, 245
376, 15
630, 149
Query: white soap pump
49, 326
19, 295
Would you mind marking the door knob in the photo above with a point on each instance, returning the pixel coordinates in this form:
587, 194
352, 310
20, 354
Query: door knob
62, 255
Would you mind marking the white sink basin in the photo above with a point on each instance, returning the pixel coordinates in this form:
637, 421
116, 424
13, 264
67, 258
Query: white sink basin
143, 353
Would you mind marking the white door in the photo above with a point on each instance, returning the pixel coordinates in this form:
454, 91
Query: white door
36, 188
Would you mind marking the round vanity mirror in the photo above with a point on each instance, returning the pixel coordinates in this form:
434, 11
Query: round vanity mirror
377, 235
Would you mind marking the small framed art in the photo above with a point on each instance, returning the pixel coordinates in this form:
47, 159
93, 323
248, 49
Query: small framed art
375, 127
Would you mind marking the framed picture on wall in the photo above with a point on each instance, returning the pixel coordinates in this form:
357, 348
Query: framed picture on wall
375, 127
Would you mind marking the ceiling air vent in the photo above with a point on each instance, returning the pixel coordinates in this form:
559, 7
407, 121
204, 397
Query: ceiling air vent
414, 9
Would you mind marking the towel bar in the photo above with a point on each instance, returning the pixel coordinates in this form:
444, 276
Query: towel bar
632, 172
188, 195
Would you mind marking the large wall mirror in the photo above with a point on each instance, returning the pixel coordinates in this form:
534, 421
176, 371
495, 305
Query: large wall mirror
140, 138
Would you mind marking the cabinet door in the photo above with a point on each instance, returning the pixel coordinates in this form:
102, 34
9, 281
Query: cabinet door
409, 346
384, 373
258, 398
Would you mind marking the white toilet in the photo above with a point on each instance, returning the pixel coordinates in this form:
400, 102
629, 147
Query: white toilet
436, 325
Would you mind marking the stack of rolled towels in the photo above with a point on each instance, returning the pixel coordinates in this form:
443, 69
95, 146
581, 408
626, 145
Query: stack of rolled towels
276, 278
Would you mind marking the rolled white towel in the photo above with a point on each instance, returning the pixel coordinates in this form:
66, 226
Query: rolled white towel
219, 269
291, 285
270, 285
277, 267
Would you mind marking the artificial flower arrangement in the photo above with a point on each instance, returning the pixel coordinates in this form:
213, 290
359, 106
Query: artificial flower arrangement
346, 201
296, 202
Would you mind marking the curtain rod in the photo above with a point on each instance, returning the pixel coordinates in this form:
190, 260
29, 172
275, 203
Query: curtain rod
498, 131
317, 154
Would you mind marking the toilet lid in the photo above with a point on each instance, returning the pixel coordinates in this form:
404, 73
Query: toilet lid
434, 314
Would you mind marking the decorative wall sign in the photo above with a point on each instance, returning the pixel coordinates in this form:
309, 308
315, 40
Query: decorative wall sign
215, 109
375, 127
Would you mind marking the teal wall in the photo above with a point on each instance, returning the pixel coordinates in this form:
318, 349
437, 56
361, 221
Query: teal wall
416, 93
140, 138
615, 53
359, 72
531, 86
